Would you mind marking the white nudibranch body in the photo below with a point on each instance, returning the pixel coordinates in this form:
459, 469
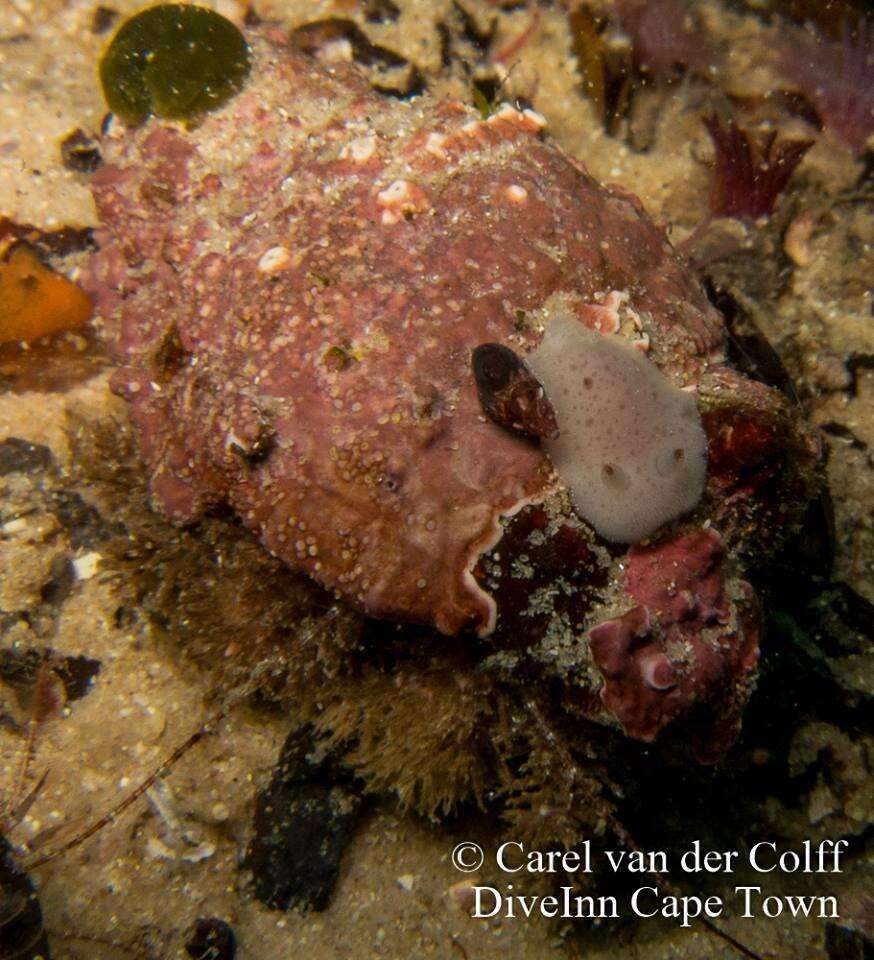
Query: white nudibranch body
631, 448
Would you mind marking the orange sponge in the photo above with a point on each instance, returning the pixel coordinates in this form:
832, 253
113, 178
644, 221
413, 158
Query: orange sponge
34, 300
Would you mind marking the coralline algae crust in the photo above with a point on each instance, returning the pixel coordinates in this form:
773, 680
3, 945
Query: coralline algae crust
320, 262
295, 291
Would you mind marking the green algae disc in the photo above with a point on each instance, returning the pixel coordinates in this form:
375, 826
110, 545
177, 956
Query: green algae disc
175, 61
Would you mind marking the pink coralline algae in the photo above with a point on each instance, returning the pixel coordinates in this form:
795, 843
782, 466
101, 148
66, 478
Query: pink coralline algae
684, 641
295, 290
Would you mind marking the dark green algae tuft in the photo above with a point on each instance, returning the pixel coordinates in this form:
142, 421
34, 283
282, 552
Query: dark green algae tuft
175, 61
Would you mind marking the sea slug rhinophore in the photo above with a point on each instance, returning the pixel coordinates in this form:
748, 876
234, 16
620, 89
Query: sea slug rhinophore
295, 290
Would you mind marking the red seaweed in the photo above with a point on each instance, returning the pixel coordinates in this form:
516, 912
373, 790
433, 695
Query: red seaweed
749, 171
664, 34
837, 77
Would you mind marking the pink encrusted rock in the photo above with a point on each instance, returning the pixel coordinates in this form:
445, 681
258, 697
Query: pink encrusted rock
690, 641
307, 275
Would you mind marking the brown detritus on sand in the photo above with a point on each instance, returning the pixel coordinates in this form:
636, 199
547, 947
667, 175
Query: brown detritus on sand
334, 39
211, 939
55, 364
21, 670
381, 11
303, 823
80, 152
21, 456
103, 19
48, 243
327, 38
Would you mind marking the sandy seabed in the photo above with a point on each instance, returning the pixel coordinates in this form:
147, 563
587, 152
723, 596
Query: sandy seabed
142, 881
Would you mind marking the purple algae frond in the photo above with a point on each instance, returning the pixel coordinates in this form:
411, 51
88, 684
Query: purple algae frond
664, 35
837, 76
749, 171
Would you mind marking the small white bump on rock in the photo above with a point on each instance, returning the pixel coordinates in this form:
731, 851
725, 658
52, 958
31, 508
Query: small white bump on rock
86, 566
12, 527
435, 144
360, 150
516, 193
275, 259
536, 118
406, 881
336, 51
395, 194
506, 111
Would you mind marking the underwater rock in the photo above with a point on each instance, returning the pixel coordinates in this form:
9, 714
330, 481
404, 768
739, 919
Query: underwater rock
295, 292
303, 822
684, 603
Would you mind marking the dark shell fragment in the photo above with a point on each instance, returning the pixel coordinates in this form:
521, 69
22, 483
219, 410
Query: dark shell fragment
22, 456
211, 939
510, 394
22, 935
80, 152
